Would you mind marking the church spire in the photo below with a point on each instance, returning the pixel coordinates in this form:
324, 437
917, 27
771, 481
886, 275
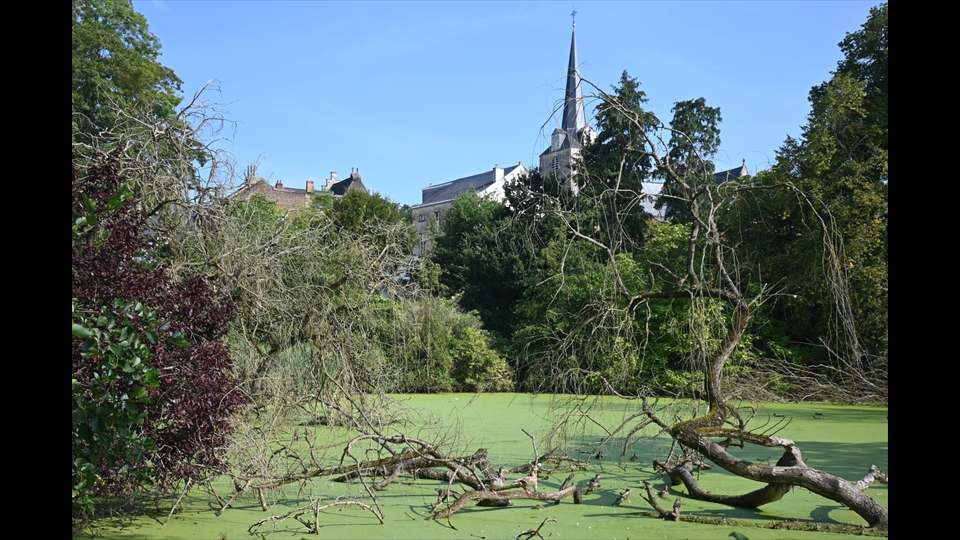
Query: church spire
574, 132
574, 118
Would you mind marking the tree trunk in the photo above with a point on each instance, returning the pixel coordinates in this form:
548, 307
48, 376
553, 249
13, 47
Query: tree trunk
789, 471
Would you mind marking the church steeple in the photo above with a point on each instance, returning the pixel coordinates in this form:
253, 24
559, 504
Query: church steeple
573, 132
573, 116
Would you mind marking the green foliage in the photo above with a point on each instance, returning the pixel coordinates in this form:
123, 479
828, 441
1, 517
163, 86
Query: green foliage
356, 209
107, 412
439, 348
319, 294
618, 130
560, 353
477, 367
696, 137
614, 168
837, 176
375, 218
115, 67
694, 140
483, 256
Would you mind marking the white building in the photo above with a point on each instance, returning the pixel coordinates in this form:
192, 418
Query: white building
438, 198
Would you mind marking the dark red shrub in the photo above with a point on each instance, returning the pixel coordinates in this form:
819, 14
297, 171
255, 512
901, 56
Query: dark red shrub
188, 419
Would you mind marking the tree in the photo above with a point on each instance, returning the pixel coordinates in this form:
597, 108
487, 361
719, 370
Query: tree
481, 246
357, 208
153, 391
615, 166
302, 282
440, 348
694, 139
721, 300
839, 164
115, 66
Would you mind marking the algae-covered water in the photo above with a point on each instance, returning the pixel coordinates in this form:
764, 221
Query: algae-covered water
842, 440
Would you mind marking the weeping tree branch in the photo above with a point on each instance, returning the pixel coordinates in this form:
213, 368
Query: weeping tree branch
713, 279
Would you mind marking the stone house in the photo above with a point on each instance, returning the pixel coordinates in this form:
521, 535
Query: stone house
290, 198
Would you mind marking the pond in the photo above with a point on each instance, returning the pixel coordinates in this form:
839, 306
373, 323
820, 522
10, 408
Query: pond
840, 440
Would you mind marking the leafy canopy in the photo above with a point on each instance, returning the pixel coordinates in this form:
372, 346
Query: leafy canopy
115, 66
840, 162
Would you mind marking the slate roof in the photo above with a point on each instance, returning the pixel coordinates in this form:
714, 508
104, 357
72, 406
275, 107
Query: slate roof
574, 119
340, 188
449, 190
732, 174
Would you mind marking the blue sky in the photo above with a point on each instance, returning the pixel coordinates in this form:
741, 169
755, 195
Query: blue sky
414, 93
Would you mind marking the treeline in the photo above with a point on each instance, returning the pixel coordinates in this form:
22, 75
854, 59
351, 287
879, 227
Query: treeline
810, 234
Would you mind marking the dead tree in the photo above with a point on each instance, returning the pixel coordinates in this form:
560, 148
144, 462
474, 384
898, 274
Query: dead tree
721, 304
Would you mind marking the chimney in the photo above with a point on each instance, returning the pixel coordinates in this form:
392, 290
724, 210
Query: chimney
497, 173
309, 186
331, 181
279, 185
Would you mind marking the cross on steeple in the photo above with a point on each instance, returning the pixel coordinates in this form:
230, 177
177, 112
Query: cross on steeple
574, 16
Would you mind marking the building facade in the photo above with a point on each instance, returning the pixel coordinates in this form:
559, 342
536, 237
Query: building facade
290, 198
287, 198
437, 199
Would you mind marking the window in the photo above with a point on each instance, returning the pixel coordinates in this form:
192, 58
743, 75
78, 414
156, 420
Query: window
423, 217
437, 215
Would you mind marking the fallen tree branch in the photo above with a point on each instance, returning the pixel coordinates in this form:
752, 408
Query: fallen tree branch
652, 501
794, 473
312, 508
765, 495
837, 528
875, 474
490, 496
176, 504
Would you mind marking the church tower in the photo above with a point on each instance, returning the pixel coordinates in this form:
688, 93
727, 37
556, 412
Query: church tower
573, 133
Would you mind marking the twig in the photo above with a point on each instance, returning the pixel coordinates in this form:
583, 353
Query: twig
236, 493
535, 532
297, 512
536, 454
176, 504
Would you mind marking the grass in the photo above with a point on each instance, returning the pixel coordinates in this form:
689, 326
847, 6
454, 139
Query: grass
844, 442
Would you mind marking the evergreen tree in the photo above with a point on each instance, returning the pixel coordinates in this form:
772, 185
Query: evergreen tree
839, 163
694, 140
614, 168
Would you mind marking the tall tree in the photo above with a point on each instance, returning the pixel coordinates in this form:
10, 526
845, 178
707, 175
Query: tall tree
615, 166
116, 67
356, 208
840, 163
482, 258
694, 140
